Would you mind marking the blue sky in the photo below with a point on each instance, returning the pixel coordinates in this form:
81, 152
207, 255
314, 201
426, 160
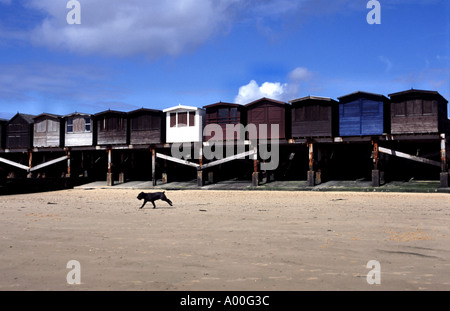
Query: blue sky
156, 54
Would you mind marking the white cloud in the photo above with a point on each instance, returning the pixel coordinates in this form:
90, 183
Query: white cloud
274, 90
122, 28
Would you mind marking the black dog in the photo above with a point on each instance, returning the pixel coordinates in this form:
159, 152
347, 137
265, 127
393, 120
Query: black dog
152, 197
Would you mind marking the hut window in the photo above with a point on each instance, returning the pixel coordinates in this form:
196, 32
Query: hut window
41, 126
52, 126
87, 124
427, 107
112, 124
70, 125
191, 118
234, 114
145, 123
182, 119
173, 119
223, 115
399, 109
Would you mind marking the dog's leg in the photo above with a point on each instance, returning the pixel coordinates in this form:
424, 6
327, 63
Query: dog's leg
143, 204
154, 206
164, 198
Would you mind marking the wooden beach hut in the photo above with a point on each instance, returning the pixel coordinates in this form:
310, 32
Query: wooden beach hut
47, 131
418, 112
314, 116
112, 127
224, 114
78, 130
2, 132
146, 126
184, 124
363, 113
265, 112
19, 132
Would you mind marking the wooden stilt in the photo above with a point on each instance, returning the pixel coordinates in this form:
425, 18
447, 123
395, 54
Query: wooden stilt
311, 174
30, 163
122, 171
153, 167
444, 182
375, 171
255, 175
68, 164
200, 180
109, 176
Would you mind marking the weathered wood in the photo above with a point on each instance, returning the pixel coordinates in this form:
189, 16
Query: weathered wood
418, 111
266, 112
363, 113
443, 153
146, 126
408, 156
19, 132
176, 160
12, 163
314, 116
48, 163
228, 159
153, 167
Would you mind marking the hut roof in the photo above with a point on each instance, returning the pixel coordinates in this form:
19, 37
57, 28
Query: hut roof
277, 102
359, 94
312, 98
415, 93
182, 107
144, 110
27, 117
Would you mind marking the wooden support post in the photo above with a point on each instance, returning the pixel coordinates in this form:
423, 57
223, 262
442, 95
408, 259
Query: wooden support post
444, 183
153, 167
375, 171
200, 180
255, 175
311, 174
30, 163
122, 172
109, 175
68, 164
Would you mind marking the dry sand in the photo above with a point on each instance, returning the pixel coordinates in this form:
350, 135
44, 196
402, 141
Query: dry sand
225, 240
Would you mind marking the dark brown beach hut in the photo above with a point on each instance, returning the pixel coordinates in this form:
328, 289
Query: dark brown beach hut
147, 126
314, 116
418, 112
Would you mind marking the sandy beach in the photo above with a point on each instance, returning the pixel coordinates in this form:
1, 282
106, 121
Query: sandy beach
225, 240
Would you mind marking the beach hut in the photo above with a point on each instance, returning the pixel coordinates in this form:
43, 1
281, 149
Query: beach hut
112, 127
314, 116
47, 131
19, 132
78, 130
2, 132
264, 112
184, 124
418, 112
363, 113
224, 114
146, 126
